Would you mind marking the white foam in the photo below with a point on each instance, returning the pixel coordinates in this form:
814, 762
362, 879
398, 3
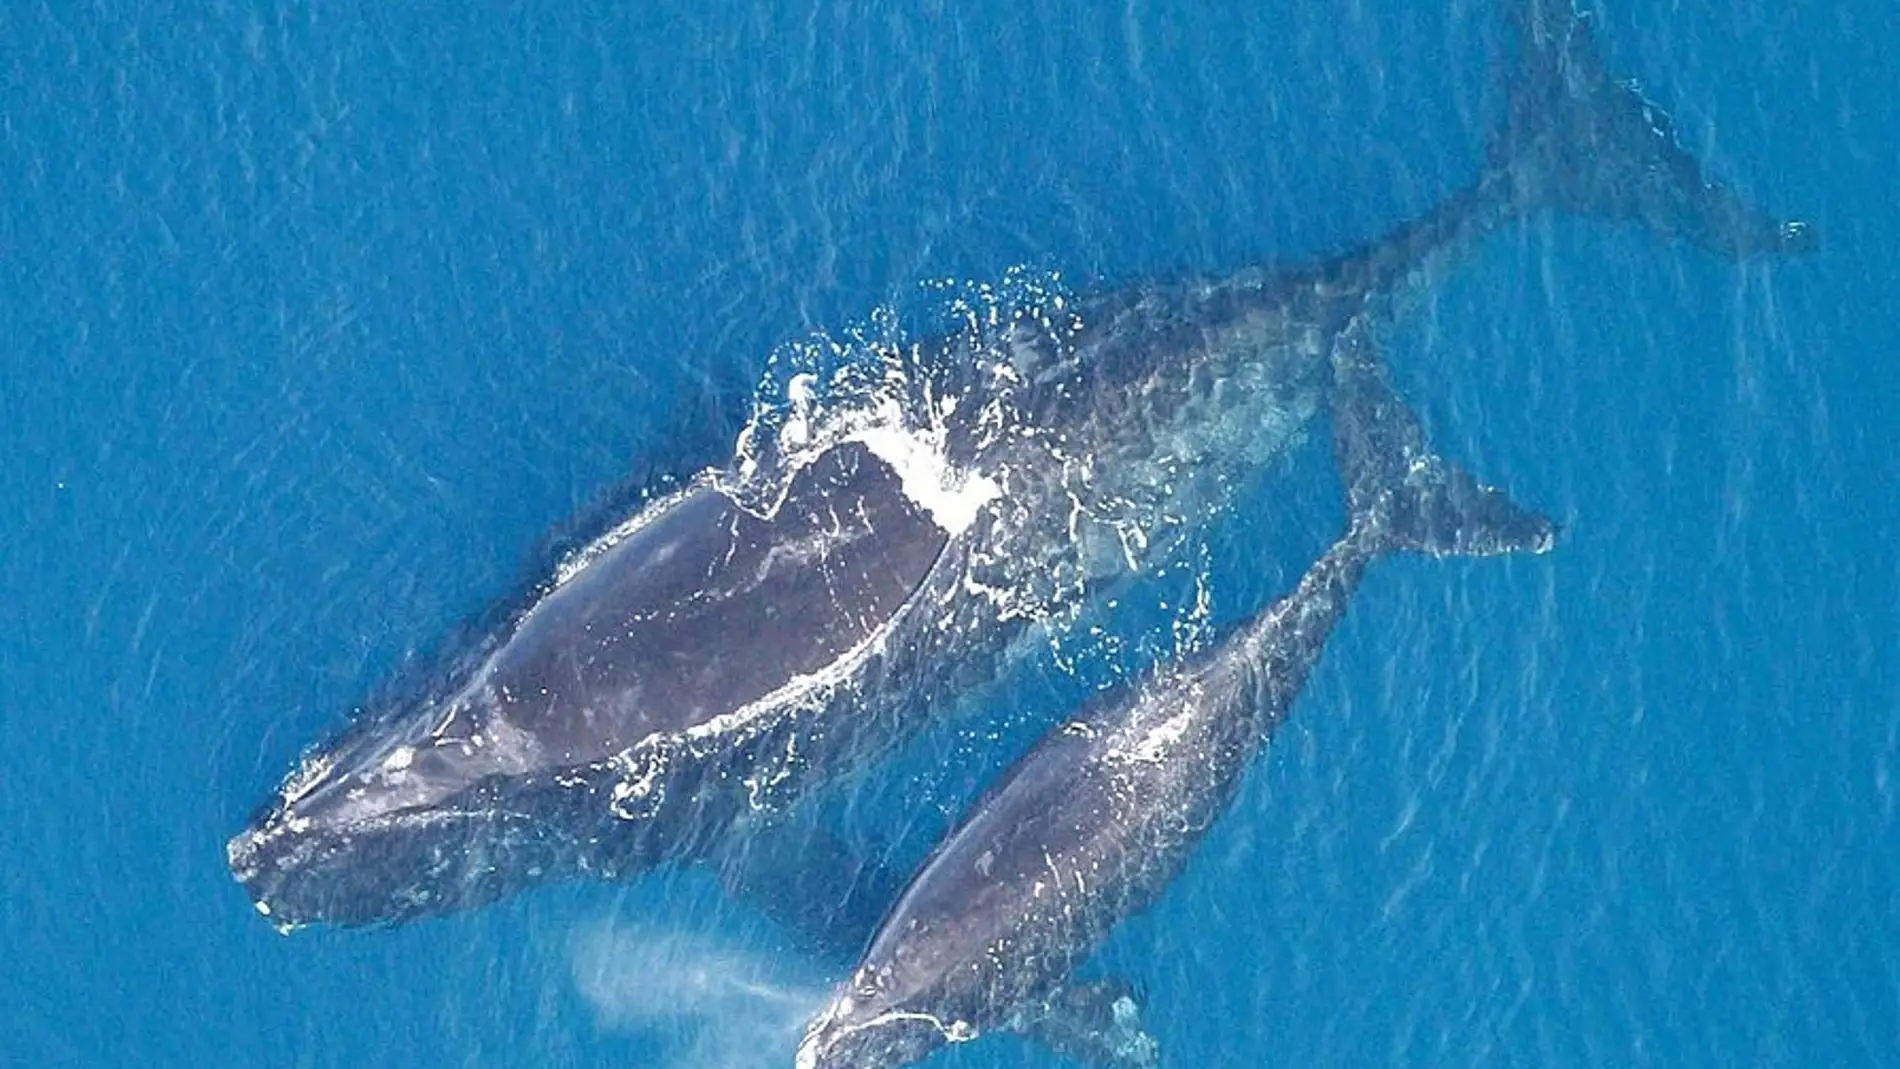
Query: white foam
951, 498
801, 391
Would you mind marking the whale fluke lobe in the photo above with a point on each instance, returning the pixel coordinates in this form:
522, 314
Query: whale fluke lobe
1576, 139
1400, 495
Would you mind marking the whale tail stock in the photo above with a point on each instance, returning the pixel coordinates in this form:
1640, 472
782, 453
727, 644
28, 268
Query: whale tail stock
1401, 496
1575, 139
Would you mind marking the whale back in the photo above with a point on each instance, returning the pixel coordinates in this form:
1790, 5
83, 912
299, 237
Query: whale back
695, 608
709, 607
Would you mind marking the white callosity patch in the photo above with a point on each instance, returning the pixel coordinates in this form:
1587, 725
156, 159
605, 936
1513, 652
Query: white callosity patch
311, 770
1159, 741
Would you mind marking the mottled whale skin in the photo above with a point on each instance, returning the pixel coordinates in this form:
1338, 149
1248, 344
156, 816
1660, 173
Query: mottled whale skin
1095, 820
709, 660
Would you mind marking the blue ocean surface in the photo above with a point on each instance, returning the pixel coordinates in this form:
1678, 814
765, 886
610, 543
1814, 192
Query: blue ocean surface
323, 323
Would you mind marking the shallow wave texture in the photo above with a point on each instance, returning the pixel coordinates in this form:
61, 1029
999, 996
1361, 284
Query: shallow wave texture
329, 325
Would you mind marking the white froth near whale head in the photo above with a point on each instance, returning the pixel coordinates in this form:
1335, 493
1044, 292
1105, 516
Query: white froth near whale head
951, 498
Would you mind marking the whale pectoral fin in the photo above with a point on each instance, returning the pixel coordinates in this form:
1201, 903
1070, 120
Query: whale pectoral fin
1095, 1022
826, 893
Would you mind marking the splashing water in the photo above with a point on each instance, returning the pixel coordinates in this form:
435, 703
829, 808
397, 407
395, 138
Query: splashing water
929, 406
947, 398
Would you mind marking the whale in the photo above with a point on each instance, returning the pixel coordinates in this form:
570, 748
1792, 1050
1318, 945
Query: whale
1096, 819
891, 536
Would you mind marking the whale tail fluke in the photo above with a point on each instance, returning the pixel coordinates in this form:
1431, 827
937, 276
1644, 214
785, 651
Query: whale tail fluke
1401, 496
1576, 139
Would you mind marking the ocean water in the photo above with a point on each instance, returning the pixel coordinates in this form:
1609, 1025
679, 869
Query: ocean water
318, 319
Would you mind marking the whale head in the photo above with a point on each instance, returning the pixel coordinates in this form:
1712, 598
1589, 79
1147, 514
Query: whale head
866, 1027
396, 819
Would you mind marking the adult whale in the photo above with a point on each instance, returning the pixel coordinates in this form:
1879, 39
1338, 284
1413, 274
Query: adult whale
1095, 820
775, 622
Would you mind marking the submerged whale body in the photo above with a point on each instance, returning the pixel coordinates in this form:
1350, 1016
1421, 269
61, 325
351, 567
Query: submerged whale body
730, 646
1096, 819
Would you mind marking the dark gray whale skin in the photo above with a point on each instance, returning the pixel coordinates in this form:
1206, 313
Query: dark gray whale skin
1096, 819
703, 665
519, 771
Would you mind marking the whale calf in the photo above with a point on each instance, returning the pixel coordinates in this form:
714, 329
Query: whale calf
1095, 820
784, 618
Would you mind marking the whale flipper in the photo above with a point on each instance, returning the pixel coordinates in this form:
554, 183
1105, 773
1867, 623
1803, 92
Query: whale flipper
1576, 139
1095, 1022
